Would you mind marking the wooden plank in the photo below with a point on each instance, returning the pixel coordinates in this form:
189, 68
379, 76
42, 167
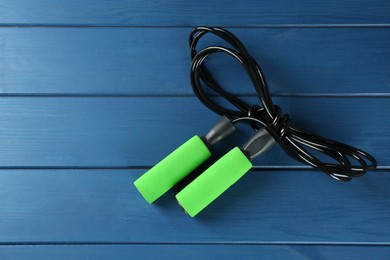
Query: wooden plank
179, 13
155, 61
93, 206
129, 132
193, 252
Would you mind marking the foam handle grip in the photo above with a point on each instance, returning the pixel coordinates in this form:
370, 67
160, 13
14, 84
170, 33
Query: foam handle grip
213, 182
178, 164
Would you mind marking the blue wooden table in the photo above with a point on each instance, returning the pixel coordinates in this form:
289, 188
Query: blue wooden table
93, 93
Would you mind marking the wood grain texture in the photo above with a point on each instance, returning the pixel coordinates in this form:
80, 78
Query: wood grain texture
212, 252
130, 132
155, 61
263, 207
179, 13
103, 86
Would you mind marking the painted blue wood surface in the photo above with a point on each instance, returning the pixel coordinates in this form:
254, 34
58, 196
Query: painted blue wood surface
133, 132
192, 13
263, 207
155, 61
212, 252
102, 85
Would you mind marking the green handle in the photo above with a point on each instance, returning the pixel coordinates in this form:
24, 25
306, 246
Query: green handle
214, 181
178, 164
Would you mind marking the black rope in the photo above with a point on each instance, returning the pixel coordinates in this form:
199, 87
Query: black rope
295, 143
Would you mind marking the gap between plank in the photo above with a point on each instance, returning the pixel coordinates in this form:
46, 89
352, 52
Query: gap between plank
254, 168
287, 95
237, 243
38, 25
